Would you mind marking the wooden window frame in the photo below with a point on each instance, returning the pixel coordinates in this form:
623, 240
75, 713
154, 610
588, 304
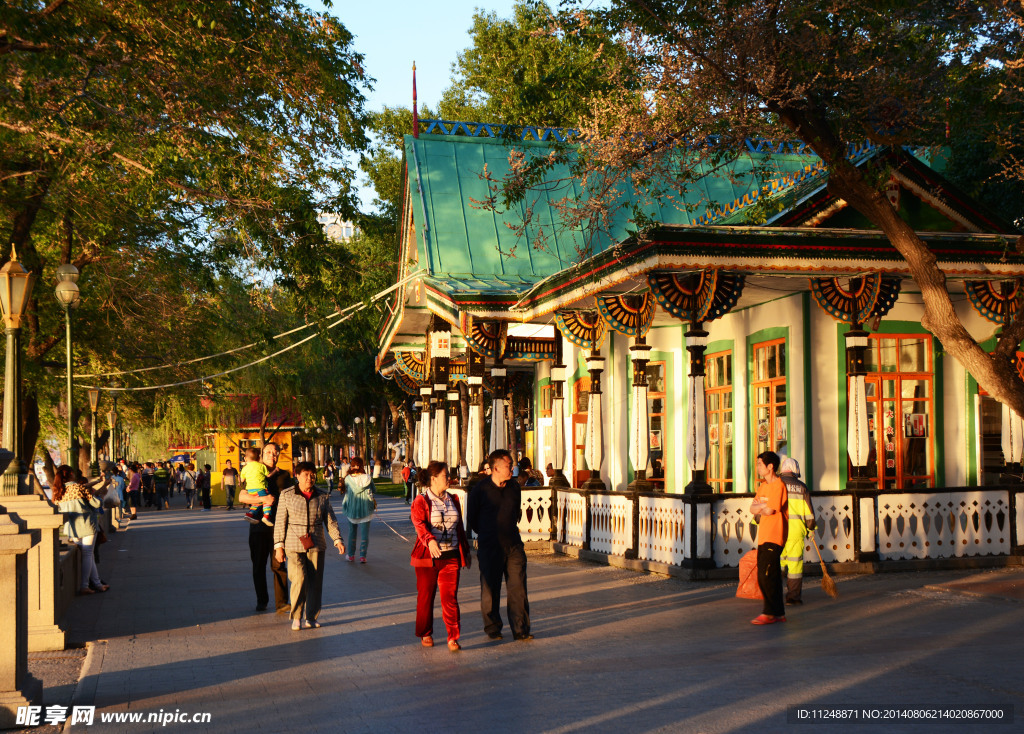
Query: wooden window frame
720, 484
772, 383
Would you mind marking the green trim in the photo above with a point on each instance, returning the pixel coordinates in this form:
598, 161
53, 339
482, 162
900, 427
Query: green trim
808, 468
893, 327
764, 335
728, 345
972, 438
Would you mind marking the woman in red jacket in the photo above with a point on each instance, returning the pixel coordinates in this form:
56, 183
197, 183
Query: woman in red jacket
440, 552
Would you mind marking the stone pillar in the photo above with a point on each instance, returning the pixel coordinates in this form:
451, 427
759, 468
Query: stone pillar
43, 560
697, 414
17, 687
639, 437
558, 480
594, 450
413, 455
858, 440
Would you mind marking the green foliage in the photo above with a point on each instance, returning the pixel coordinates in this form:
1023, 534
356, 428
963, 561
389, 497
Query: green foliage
526, 70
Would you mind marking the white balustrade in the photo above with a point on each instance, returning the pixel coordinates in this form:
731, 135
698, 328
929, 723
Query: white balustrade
611, 523
834, 530
535, 524
662, 522
943, 524
734, 530
572, 514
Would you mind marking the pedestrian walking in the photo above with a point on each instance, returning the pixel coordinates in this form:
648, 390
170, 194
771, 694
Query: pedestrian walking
149, 484
229, 480
188, 484
801, 523
407, 478
330, 471
302, 514
134, 488
769, 507
358, 506
494, 512
161, 477
81, 525
440, 552
203, 487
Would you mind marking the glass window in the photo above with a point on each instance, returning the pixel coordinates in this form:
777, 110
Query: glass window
656, 416
718, 397
769, 415
546, 394
900, 405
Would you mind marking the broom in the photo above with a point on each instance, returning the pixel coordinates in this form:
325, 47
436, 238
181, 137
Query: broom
827, 584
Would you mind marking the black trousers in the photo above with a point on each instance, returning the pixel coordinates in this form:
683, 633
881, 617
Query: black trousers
408, 492
769, 578
261, 546
508, 564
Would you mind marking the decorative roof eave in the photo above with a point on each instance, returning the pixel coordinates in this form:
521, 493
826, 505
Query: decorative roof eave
764, 251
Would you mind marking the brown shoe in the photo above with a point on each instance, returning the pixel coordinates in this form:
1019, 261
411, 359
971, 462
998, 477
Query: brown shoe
427, 641
454, 645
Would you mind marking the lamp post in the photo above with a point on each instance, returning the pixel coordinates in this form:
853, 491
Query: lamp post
15, 290
68, 296
94, 404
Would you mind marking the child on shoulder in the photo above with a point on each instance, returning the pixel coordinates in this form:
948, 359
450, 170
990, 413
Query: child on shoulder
254, 474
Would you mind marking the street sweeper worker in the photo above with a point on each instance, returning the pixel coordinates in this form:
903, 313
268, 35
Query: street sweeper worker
801, 523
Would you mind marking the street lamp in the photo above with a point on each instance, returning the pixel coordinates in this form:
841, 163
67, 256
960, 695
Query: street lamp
15, 290
111, 447
94, 404
67, 294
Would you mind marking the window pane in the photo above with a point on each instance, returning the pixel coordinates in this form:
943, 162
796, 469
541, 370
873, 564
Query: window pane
656, 377
713, 401
728, 369
869, 389
782, 359
655, 405
910, 389
912, 355
887, 355
760, 363
772, 363
888, 389
763, 395
871, 357
780, 395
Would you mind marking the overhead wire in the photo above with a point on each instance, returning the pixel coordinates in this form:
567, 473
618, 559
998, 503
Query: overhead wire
345, 314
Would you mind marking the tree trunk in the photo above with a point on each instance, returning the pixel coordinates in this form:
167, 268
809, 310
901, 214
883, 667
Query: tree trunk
996, 374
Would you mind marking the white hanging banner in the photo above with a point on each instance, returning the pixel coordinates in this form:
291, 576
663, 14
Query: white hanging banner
439, 445
453, 430
697, 426
1012, 437
858, 439
594, 450
557, 433
639, 430
474, 432
499, 428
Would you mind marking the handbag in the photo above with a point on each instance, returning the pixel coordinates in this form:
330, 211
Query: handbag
101, 537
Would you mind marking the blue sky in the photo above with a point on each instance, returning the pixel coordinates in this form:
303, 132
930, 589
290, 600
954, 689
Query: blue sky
391, 34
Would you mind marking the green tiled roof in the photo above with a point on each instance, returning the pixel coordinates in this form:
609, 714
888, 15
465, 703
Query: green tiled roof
466, 247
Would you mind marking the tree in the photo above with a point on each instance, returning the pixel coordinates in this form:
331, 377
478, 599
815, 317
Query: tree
827, 73
164, 149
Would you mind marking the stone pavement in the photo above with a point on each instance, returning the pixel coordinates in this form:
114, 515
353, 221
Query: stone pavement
615, 651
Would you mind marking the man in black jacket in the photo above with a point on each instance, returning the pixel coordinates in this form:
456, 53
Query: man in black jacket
494, 511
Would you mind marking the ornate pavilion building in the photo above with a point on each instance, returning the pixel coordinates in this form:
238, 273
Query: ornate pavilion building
661, 365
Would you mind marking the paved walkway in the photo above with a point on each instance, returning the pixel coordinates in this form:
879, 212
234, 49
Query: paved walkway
614, 651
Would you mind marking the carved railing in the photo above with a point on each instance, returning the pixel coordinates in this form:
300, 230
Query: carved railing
662, 529
611, 524
537, 520
956, 524
572, 512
